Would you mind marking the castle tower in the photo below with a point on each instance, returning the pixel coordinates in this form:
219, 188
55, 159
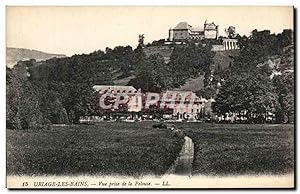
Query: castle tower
170, 34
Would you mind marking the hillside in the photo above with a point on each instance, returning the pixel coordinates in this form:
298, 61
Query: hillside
222, 59
193, 84
13, 55
164, 51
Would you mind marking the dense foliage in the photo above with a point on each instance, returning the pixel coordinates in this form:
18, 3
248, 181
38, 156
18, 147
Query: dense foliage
154, 75
254, 87
59, 90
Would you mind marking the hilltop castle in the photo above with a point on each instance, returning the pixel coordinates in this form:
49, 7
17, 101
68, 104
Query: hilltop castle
184, 31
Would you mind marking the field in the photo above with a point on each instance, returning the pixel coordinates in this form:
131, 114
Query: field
129, 149
136, 149
242, 149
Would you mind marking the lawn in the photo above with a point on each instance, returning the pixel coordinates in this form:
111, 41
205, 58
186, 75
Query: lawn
241, 149
129, 149
136, 149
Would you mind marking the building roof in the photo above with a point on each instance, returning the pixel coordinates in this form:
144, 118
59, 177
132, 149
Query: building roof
229, 40
197, 29
211, 26
179, 95
182, 26
114, 89
186, 26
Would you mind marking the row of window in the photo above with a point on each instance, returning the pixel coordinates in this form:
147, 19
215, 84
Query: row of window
119, 91
192, 111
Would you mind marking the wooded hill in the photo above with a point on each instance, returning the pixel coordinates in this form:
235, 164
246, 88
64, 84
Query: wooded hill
58, 90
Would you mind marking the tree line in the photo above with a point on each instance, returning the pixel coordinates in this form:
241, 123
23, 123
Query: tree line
59, 90
253, 87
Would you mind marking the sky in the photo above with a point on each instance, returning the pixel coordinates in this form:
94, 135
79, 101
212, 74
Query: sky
77, 30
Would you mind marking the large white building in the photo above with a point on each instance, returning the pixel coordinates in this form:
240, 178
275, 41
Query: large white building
182, 105
134, 101
186, 105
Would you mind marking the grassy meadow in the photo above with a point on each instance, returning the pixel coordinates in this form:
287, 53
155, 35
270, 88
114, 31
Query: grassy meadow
129, 149
225, 149
136, 149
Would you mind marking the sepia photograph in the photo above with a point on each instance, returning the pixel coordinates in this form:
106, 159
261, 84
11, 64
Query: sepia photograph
150, 97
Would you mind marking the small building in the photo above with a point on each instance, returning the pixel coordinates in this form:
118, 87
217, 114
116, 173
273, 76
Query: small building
230, 44
227, 44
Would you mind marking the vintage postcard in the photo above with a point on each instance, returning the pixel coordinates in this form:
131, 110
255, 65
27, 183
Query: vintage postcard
157, 97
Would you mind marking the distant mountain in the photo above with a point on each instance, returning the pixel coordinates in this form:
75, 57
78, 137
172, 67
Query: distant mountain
13, 55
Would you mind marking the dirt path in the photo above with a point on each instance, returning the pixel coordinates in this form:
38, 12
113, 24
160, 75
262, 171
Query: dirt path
183, 163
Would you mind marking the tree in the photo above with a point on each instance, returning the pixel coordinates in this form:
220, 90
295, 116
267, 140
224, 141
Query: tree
122, 57
29, 112
230, 31
51, 105
141, 39
78, 101
153, 75
23, 104
284, 85
190, 61
249, 94
159, 42
249, 88
285, 38
208, 92
161, 74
